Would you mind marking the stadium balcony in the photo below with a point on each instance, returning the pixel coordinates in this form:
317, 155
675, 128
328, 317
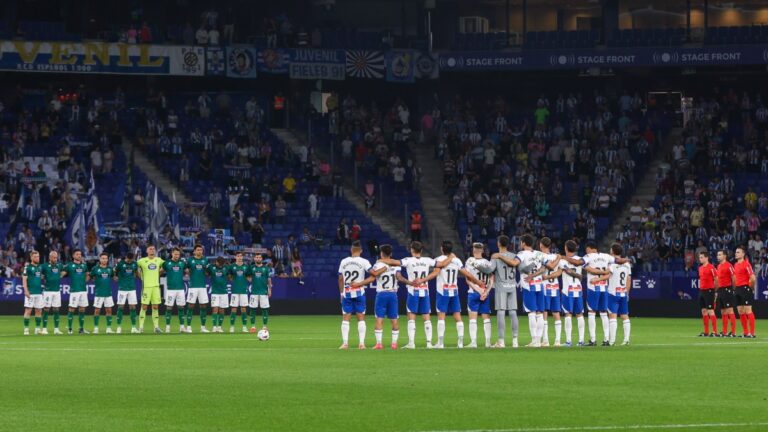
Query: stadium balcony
736, 35
562, 39
648, 37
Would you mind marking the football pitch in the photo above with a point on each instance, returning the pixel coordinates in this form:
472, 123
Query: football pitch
667, 379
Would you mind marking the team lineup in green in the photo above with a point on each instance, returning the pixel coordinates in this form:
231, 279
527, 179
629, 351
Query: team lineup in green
42, 291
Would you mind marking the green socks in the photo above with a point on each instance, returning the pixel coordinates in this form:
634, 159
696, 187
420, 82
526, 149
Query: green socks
45, 318
244, 318
109, 320
182, 313
190, 312
26, 323
265, 316
133, 317
253, 317
70, 318
119, 316
232, 318
203, 313
56, 319
168, 313
81, 319
96, 320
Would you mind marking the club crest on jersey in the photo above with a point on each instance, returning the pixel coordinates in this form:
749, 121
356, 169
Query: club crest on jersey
152, 266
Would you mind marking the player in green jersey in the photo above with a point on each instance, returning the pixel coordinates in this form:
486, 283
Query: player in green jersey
102, 275
240, 275
149, 272
197, 292
219, 273
125, 274
32, 280
174, 270
261, 291
52, 291
77, 271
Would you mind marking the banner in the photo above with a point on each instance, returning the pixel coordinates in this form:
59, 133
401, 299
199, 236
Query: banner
604, 58
426, 65
215, 63
365, 64
188, 61
99, 57
400, 66
273, 61
241, 62
317, 64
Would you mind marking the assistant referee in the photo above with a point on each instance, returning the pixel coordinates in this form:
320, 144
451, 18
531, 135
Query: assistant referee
707, 295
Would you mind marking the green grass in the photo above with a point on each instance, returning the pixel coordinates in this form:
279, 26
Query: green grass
300, 381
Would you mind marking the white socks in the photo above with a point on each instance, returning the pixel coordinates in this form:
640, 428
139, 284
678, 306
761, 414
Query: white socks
627, 329
568, 329
532, 323
580, 324
473, 331
612, 331
378, 334
606, 325
440, 331
487, 331
460, 332
592, 326
545, 331
411, 331
345, 332
539, 327
558, 331
428, 331
361, 331
395, 336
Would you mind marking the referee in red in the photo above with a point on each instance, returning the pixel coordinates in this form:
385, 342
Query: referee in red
707, 292
745, 294
725, 300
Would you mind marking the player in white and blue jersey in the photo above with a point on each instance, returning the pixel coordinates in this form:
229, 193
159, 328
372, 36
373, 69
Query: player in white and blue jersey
619, 284
417, 302
573, 296
596, 265
447, 301
478, 299
551, 291
385, 305
353, 269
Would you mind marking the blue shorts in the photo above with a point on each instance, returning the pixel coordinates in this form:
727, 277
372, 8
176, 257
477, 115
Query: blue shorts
447, 304
418, 305
573, 305
552, 303
597, 301
618, 305
385, 305
474, 304
533, 301
353, 305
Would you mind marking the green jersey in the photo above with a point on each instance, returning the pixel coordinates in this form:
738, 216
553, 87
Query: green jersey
76, 273
174, 274
218, 279
52, 276
260, 278
239, 275
197, 272
126, 275
34, 278
150, 271
102, 278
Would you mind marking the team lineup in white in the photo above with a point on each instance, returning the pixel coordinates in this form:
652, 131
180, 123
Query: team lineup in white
551, 285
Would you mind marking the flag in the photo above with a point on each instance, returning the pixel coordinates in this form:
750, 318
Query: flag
75, 233
92, 206
400, 66
426, 65
175, 217
365, 64
158, 215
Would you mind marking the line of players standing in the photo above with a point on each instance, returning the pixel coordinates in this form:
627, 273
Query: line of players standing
541, 273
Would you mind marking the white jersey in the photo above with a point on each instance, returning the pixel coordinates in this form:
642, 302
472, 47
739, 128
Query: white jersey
551, 286
386, 281
571, 285
448, 278
598, 261
417, 268
354, 269
530, 262
473, 266
617, 283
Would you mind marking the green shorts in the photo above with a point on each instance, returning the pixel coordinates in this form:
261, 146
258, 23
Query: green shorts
151, 295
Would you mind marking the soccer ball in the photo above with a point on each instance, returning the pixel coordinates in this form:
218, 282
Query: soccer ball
263, 335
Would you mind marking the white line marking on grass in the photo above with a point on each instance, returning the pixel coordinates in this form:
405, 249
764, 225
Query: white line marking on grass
609, 428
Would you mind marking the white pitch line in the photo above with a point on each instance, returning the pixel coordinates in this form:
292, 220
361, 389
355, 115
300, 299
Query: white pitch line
609, 428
